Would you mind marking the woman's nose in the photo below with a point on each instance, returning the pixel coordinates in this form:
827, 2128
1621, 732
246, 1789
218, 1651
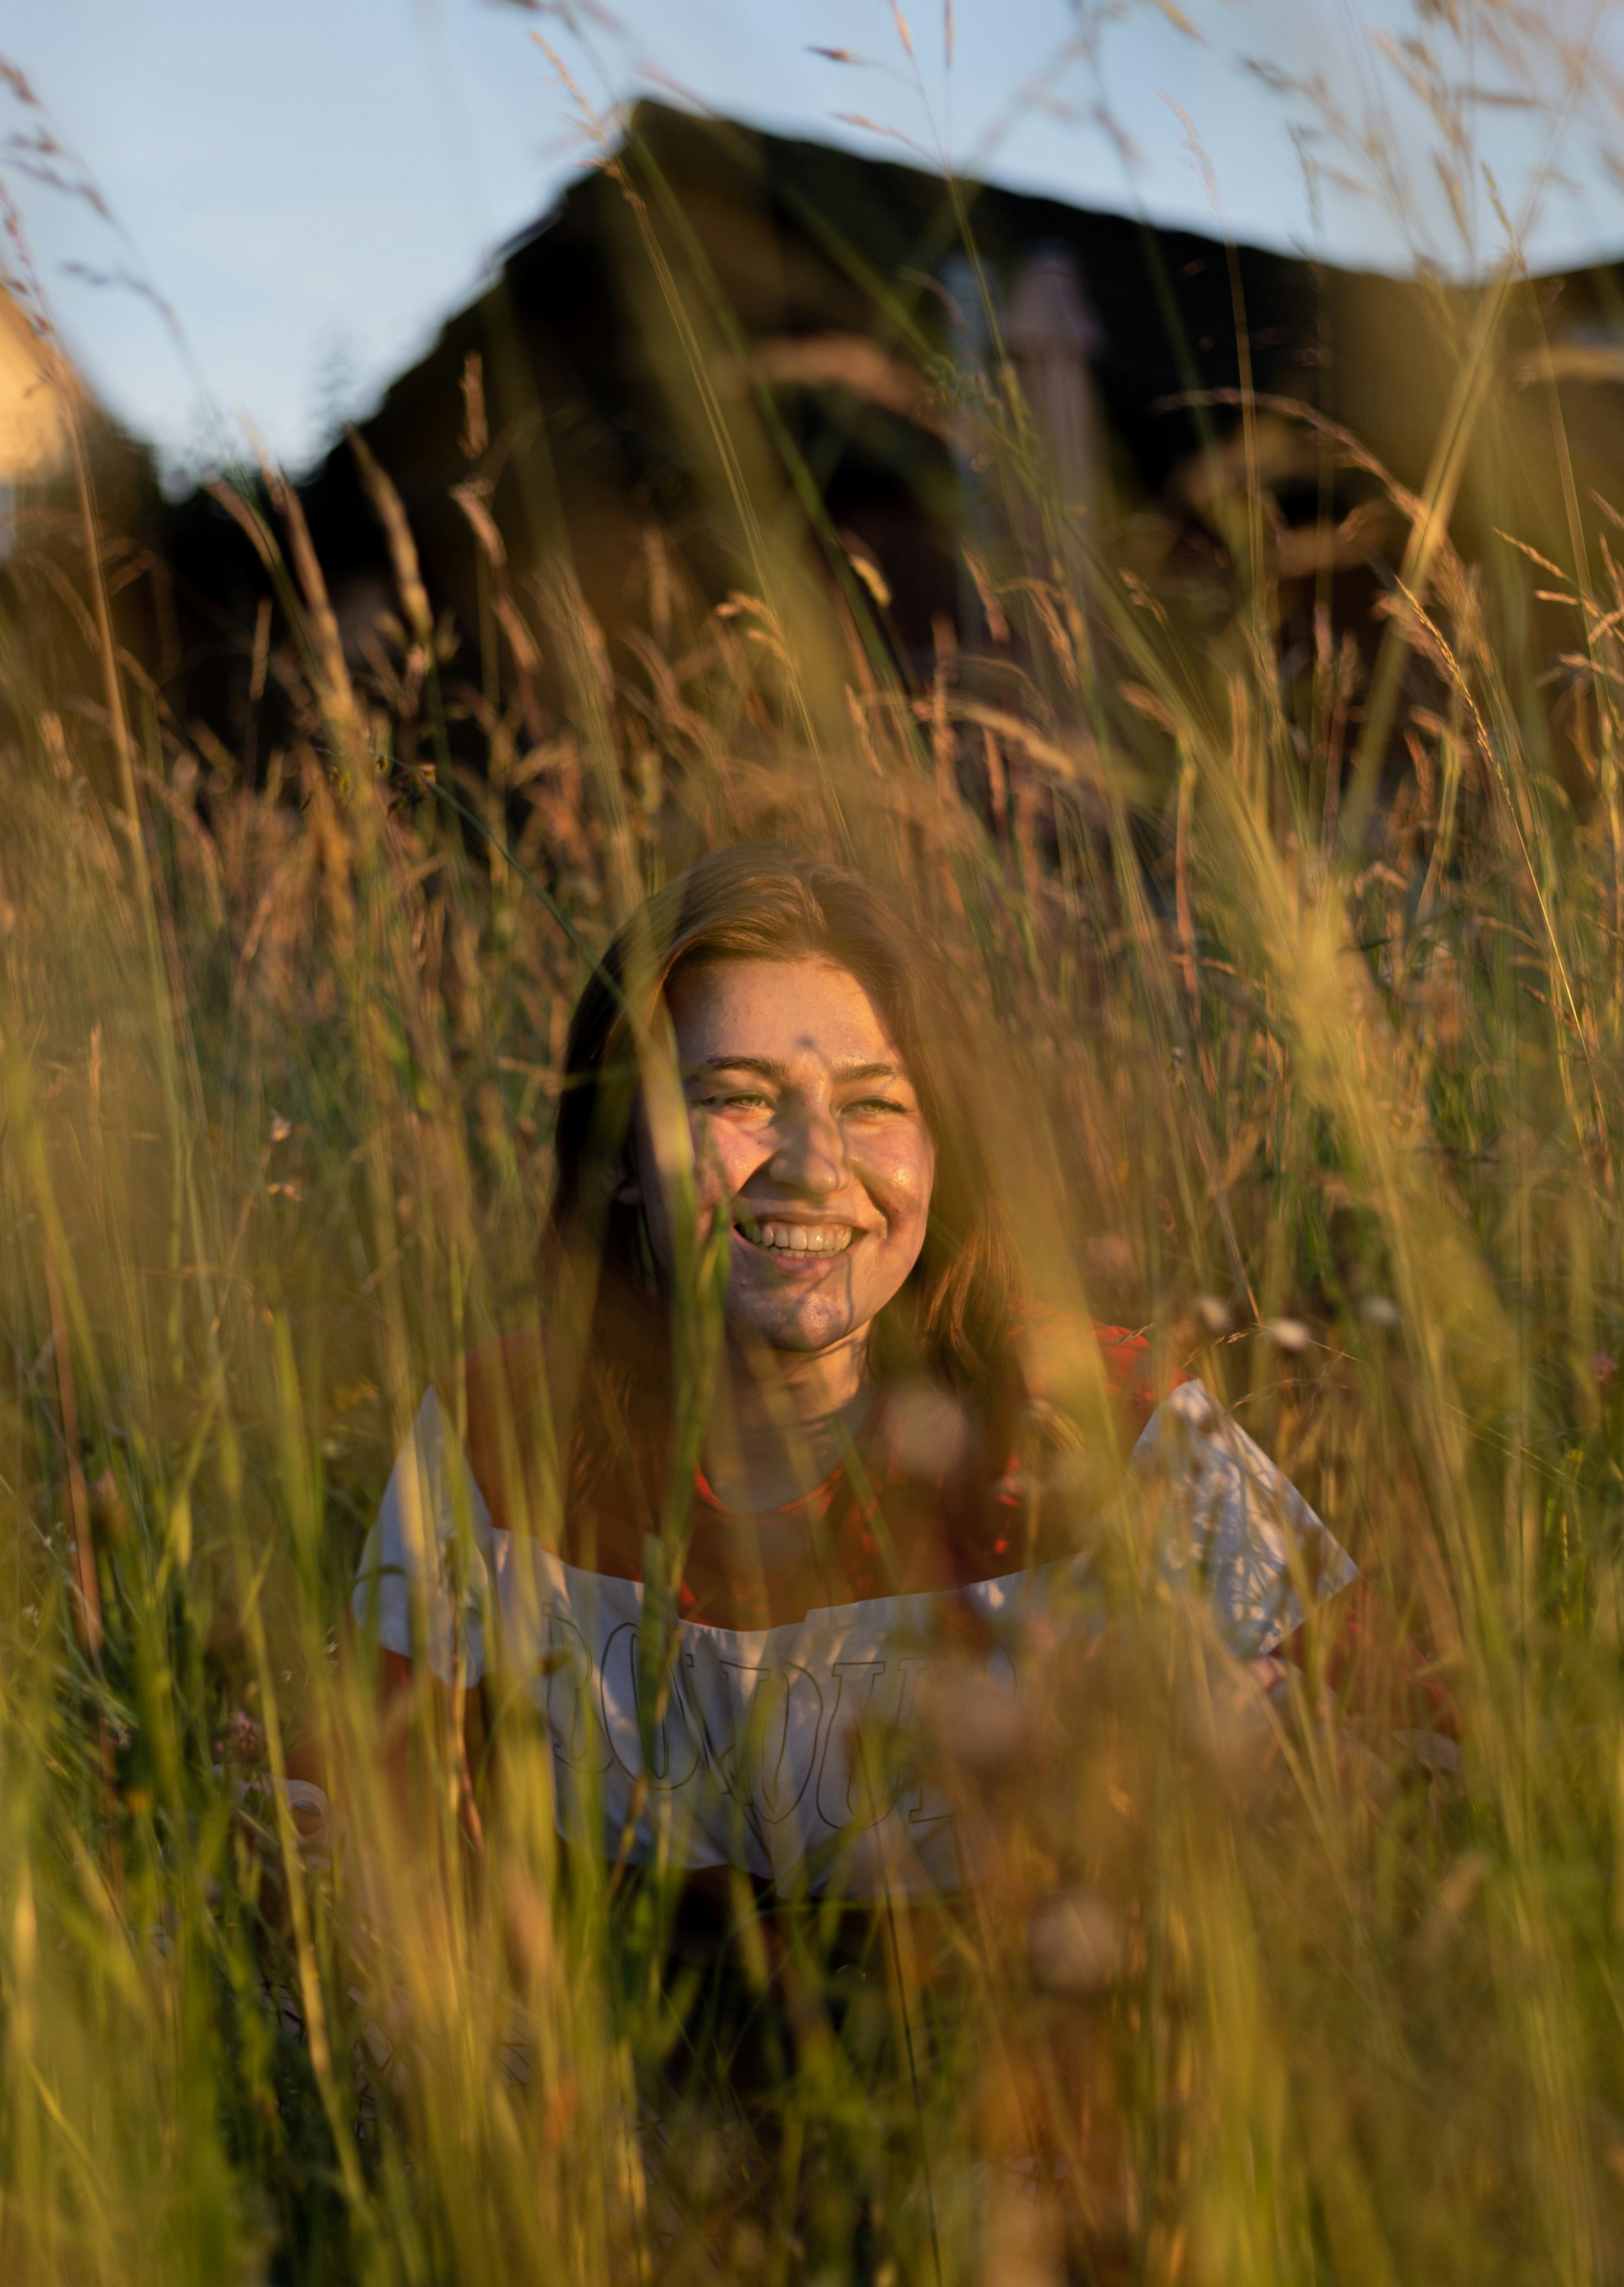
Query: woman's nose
811, 1157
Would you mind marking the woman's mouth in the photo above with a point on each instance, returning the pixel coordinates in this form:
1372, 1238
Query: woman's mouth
797, 1240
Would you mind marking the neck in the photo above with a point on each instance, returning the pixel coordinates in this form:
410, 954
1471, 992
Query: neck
783, 1418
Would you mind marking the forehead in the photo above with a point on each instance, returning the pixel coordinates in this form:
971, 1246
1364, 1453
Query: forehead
785, 1011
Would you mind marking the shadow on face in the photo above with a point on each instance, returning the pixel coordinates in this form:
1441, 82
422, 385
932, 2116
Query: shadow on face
808, 1138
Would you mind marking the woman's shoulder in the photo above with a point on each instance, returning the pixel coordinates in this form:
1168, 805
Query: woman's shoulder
1125, 1358
496, 1398
507, 1370
1061, 1350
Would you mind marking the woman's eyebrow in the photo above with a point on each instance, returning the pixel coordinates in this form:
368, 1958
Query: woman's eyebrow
770, 1068
766, 1065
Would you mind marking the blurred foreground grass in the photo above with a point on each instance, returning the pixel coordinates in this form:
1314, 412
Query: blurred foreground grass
1322, 1089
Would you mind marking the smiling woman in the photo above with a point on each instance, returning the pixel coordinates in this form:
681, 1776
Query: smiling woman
808, 1136
777, 1444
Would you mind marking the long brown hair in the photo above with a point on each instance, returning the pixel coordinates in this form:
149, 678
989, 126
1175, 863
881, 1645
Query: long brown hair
952, 1320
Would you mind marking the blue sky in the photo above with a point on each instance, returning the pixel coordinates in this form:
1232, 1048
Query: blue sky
310, 186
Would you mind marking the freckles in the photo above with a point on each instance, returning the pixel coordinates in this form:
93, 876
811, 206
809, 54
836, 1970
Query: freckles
902, 1179
726, 1157
710, 1165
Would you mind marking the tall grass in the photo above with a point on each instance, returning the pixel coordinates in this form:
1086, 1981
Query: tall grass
1323, 1089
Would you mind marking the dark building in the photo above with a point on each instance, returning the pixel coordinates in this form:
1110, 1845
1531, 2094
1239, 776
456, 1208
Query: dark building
719, 312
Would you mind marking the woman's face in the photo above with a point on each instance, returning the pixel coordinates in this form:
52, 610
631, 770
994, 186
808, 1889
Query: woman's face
807, 1136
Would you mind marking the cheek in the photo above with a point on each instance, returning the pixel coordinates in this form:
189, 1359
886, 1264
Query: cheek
899, 1178
725, 1158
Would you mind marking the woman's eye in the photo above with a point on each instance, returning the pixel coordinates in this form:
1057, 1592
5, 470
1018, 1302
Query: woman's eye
871, 1103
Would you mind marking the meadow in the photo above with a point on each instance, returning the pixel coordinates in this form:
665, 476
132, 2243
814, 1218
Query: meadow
1298, 983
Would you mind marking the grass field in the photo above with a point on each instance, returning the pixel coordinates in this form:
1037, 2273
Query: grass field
1324, 1090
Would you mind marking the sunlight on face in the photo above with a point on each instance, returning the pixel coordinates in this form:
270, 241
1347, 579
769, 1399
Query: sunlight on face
808, 1134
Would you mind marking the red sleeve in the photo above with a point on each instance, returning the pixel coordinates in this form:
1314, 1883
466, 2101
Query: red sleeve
1378, 1675
1126, 1359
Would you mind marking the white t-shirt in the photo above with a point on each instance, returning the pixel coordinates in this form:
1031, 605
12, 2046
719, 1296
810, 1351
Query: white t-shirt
784, 1749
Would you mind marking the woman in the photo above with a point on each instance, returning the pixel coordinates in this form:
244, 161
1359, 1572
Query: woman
770, 1456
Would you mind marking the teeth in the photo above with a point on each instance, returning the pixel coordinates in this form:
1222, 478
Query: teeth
803, 1238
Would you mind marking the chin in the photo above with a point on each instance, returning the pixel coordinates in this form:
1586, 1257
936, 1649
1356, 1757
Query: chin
801, 1332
